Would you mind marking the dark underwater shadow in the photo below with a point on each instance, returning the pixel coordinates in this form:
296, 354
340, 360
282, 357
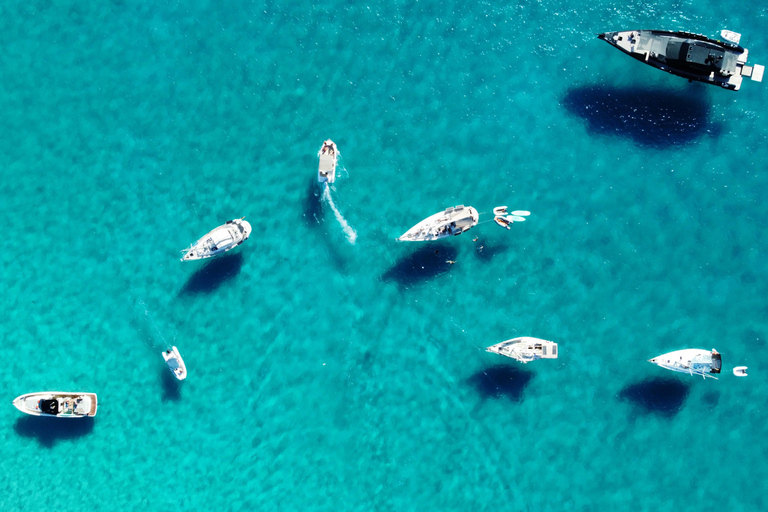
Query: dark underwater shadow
313, 206
660, 396
426, 263
648, 117
49, 430
171, 387
502, 381
215, 273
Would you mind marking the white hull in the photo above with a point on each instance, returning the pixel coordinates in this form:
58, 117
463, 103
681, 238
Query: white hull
450, 222
692, 361
58, 404
175, 363
219, 240
525, 349
329, 156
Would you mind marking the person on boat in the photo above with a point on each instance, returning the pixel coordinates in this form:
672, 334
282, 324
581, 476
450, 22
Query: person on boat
328, 146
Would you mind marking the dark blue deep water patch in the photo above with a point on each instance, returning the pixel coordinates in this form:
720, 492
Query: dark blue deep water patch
663, 396
648, 117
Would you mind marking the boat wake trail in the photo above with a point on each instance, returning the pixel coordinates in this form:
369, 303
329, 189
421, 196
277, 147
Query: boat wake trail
150, 331
348, 230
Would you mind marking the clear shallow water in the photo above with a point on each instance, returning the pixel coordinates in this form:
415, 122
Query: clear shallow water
330, 376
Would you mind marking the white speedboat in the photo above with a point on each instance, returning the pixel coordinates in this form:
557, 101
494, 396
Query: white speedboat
328, 155
58, 404
693, 361
175, 363
219, 241
525, 349
450, 222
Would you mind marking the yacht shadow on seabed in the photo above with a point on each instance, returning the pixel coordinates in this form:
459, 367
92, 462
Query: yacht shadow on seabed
502, 381
426, 263
215, 273
648, 117
661, 396
49, 430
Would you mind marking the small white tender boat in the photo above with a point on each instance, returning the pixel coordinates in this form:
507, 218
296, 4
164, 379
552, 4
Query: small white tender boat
525, 349
740, 371
499, 211
175, 363
692, 361
503, 222
450, 222
58, 404
328, 154
219, 241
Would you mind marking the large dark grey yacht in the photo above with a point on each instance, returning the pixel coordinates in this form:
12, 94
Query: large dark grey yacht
691, 56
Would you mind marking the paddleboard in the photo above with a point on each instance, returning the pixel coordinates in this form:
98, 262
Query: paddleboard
521, 213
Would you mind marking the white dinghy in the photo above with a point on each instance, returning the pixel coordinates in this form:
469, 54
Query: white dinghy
175, 363
740, 371
219, 241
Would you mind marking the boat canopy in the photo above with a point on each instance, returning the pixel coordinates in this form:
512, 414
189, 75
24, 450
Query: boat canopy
49, 406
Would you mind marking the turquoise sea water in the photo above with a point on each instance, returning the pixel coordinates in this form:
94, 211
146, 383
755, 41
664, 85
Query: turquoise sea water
325, 375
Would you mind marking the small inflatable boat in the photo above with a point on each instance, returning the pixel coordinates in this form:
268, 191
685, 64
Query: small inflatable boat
740, 371
501, 221
500, 210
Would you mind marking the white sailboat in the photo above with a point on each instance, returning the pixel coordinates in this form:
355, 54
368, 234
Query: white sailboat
692, 361
219, 240
525, 349
450, 222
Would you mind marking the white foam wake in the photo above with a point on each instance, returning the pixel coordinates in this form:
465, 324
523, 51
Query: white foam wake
348, 230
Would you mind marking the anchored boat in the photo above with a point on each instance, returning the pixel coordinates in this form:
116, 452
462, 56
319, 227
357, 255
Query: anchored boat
58, 404
688, 55
175, 363
525, 349
328, 155
219, 241
450, 222
693, 361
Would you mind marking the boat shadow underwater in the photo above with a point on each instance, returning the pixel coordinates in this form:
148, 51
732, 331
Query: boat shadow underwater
49, 430
213, 274
313, 206
502, 381
424, 264
661, 396
171, 387
647, 117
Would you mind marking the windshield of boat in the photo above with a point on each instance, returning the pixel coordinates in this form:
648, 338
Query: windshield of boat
50, 406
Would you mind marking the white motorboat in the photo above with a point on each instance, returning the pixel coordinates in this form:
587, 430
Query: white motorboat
175, 363
328, 155
525, 349
450, 222
693, 361
58, 404
219, 241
